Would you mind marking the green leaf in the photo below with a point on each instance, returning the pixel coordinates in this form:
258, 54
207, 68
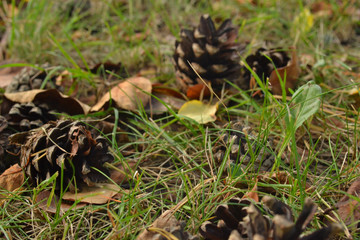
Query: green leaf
306, 100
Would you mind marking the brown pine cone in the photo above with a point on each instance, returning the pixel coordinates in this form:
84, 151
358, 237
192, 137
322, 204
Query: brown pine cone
262, 66
27, 116
7, 151
213, 53
32, 78
240, 220
69, 145
240, 148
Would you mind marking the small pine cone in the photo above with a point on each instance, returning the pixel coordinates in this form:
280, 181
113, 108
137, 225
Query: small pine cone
31, 78
27, 116
6, 158
177, 231
240, 220
212, 52
67, 144
262, 66
240, 149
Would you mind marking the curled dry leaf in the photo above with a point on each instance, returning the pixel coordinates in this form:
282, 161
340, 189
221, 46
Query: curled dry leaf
52, 97
289, 74
199, 111
12, 178
166, 220
42, 199
127, 95
100, 193
349, 208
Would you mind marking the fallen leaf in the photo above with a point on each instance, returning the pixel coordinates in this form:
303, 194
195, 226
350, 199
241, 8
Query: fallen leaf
158, 88
12, 178
252, 194
166, 220
199, 111
302, 23
7, 74
156, 107
198, 90
100, 193
42, 202
321, 8
52, 97
122, 172
127, 95
349, 208
289, 74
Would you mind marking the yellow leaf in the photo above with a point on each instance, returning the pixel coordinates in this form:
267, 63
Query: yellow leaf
303, 22
199, 111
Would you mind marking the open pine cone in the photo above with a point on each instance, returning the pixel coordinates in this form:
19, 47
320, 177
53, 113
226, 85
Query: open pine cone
213, 53
69, 145
27, 116
241, 147
262, 66
6, 149
32, 78
241, 219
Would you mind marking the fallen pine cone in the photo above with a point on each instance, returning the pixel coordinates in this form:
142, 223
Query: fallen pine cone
241, 219
67, 148
32, 78
212, 53
27, 116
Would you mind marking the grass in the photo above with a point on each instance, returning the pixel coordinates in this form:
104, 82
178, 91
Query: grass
181, 164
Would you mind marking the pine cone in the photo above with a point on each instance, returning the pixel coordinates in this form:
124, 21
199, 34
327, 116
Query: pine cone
241, 219
68, 144
241, 148
31, 78
262, 66
6, 158
27, 116
211, 52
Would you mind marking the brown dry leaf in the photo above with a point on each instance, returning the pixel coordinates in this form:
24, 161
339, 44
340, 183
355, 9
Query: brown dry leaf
155, 107
127, 95
252, 194
52, 97
321, 8
348, 208
7, 74
42, 201
122, 173
100, 193
12, 178
290, 73
166, 220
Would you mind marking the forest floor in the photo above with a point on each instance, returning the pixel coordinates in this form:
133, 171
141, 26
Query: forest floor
172, 162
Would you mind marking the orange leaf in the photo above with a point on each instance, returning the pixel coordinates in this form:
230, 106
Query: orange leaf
12, 178
290, 73
252, 194
194, 92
